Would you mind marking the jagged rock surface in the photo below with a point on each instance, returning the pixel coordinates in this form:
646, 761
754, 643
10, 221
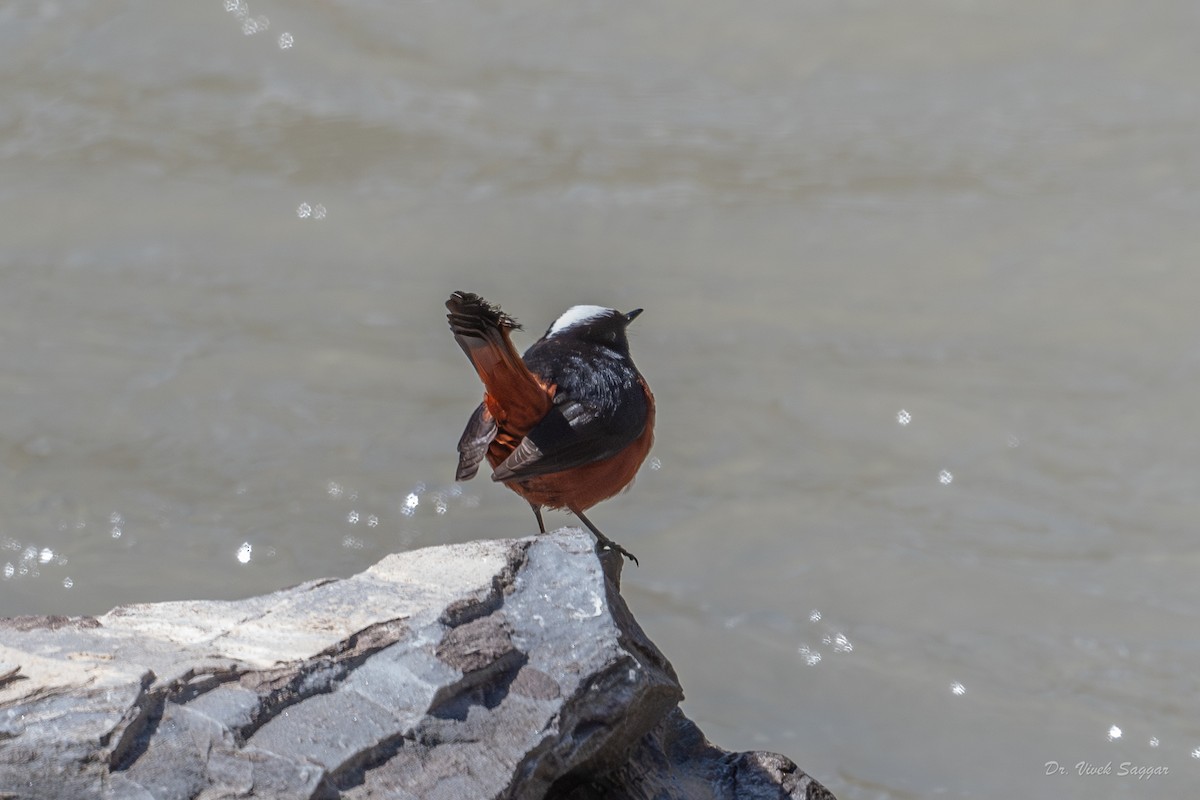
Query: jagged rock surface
497, 669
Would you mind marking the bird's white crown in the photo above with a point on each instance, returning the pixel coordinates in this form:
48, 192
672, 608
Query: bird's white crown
576, 315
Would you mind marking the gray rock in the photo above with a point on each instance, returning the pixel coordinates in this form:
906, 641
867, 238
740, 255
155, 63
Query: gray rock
499, 669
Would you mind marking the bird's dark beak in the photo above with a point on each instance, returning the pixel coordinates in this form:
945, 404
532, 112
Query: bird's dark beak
632, 315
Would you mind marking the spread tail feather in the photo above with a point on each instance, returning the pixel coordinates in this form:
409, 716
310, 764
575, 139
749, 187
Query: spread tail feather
516, 399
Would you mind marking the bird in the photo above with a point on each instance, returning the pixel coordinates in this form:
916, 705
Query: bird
567, 425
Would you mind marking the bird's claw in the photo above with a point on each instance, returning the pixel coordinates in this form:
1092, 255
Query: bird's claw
609, 544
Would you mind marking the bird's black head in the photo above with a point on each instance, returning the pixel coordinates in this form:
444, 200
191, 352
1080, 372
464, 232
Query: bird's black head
603, 326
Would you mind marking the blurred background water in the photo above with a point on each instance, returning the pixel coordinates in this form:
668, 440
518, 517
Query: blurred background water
920, 287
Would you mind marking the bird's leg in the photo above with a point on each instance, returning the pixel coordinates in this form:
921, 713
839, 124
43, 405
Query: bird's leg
537, 512
601, 539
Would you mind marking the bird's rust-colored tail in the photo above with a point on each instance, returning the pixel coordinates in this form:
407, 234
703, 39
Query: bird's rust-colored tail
482, 331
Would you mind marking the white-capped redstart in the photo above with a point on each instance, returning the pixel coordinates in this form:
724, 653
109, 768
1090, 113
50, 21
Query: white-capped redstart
566, 426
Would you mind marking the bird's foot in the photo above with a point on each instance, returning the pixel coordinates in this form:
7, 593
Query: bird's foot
605, 543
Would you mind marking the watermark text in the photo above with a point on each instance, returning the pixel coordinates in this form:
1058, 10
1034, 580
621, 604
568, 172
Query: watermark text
1126, 769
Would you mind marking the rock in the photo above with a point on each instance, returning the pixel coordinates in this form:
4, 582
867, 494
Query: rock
506, 669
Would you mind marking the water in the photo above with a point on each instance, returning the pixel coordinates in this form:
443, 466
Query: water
919, 286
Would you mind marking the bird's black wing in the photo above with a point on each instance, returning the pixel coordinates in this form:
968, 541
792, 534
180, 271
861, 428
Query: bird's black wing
480, 431
572, 435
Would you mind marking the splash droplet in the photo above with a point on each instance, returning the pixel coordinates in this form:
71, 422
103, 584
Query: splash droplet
903, 417
285, 41
243, 553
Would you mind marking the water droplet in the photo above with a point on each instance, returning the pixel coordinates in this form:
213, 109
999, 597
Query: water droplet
811, 657
1012, 441
352, 543
318, 211
352, 518
946, 477
903, 417
234, 6
372, 521
1153, 741
285, 41
256, 25
957, 689
243, 553
814, 616
1114, 733
840, 643
46, 555
655, 463
9, 570
304, 211
1196, 753
68, 583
